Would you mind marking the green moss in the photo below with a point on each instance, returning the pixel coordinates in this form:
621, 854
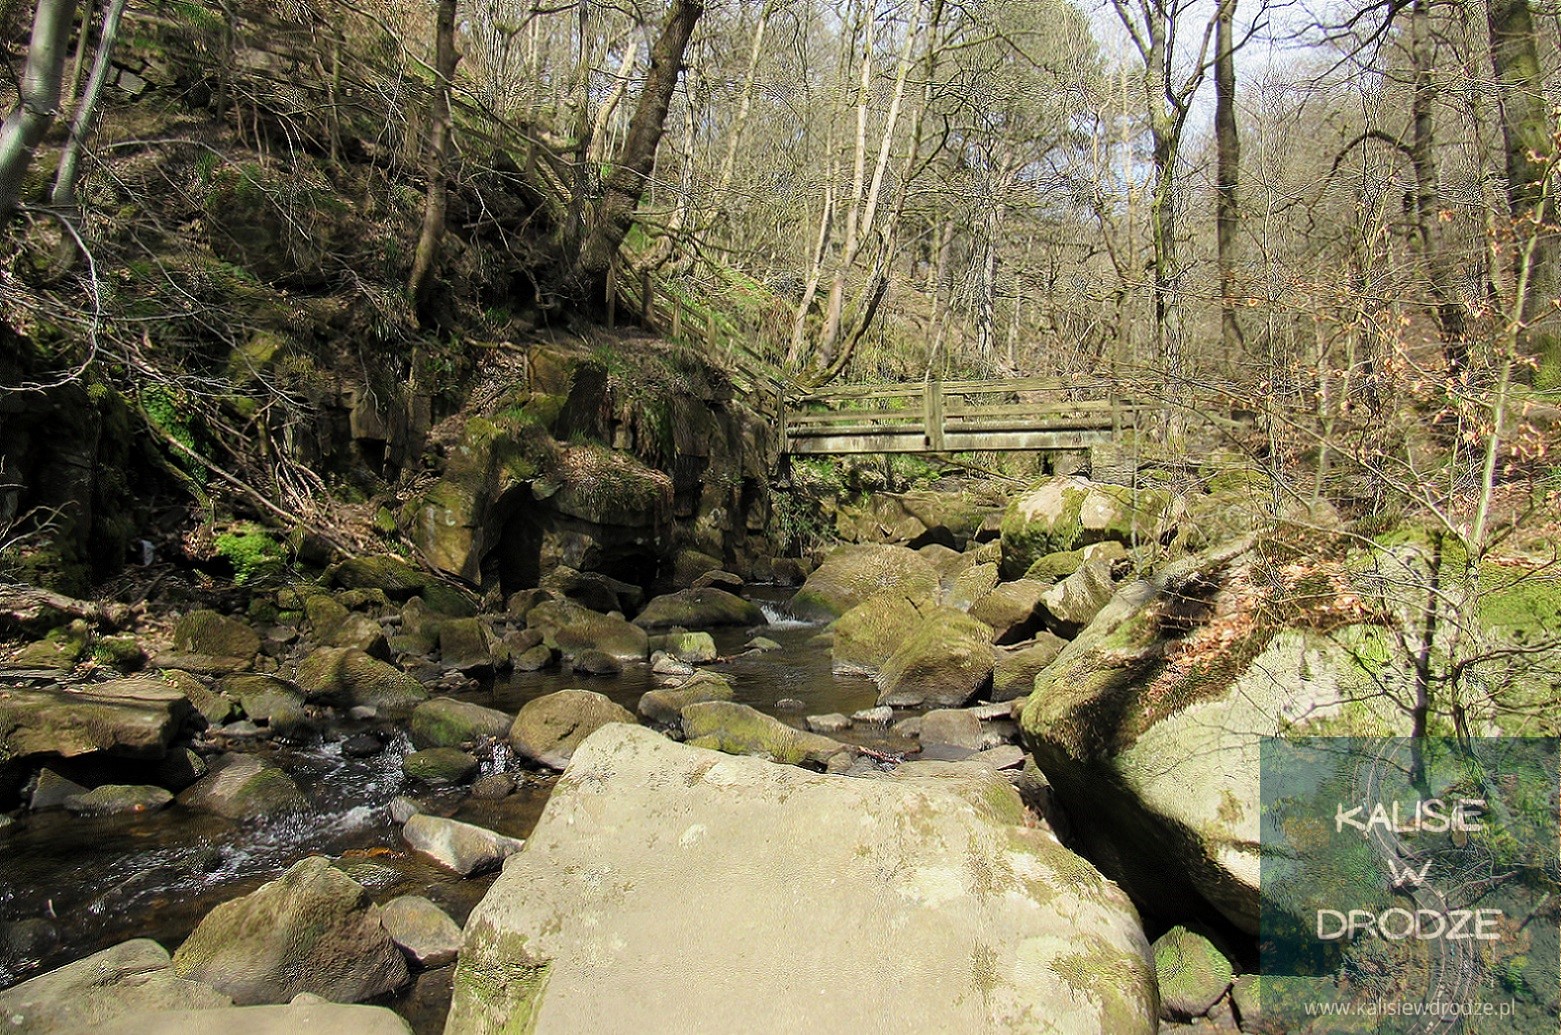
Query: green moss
499, 987
1097, 974
255, 556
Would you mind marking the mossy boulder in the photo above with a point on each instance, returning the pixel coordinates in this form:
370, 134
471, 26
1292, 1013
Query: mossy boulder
244, 787
944, 662
548, 729
567, 627
1074, 602
446, 722
1014, 674
1013, 610
313, 929
737, 729
137, 717
698, 609
440, 766
347, 678
114, 799
1066, 513
61, 648
466, 645
972, 583
210, 704
397, 579
1193, 975
691, 648
755, 878
423, 931
277, 702
853, 574
1164, 752
207, 642
868, 635
665, 705
91, 993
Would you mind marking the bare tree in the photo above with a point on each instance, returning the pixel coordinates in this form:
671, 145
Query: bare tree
445, 58
38, 98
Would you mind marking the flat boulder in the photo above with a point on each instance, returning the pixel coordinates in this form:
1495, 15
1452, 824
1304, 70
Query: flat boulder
727, 890
205, 641
446, 722
548, 729
91, 993
128, 718
944, 662
244, 787
740, 730
567, 627
459, 847
313, 929
349, 678
705, 608
853, 574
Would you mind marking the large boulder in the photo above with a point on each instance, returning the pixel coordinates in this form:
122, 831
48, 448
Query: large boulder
944, 662
1013, 610
313, 929
740, 730
1069, 512
129, 718
699, 609
84, 996
346, 677
726, 894
1075, 601
665, 705
567, 627
852, 574
244, 787
460, 847
313, 1018
868, 635
446, 722
465, 645
1152, 719
1014, 674
205, 641
549, 728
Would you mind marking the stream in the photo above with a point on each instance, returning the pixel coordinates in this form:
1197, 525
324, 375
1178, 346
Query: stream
70, 886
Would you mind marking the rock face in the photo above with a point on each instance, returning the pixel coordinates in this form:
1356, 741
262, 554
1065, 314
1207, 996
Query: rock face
1066, 513
997, 927
740, 730
457, 846
566, 626
83, 996
699, 609
313, 929
852, 574
548, 729
1165, 757
944, 662
348, 678
130, 718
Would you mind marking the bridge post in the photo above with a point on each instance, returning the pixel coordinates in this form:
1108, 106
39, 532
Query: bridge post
932, 413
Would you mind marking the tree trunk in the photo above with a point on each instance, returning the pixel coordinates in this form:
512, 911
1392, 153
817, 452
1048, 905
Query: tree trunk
609, 223
1526, 133
39, 97
427, 253
1227, 173
64, 196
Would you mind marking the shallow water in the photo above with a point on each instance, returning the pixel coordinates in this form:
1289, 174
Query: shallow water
70, 886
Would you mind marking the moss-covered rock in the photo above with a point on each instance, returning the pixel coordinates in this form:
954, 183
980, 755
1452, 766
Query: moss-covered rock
972, 583
566, 626
207, 632
446, 722
1074, 602
92, 993
313, 929
853, 574
61, 648
244, 787
114, 799
1014, 674
740, 730
868, 635
1191, 972
1013, 610
277, 702
944, 662
1067, 513
665, 705
548, 729
440, 766
465, 645
346, 677
136, 717
698, 609
210, 704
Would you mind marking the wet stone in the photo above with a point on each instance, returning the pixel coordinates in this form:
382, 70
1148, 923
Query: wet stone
831, 723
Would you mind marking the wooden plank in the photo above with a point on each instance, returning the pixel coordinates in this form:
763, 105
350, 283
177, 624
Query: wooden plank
933, 407
953, 442
832, 417
1040, 410
836, 430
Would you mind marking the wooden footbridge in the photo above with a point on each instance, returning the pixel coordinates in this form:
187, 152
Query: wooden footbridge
1020, 413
